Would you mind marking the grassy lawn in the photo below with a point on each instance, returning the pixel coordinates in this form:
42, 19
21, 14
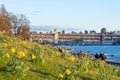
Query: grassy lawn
21, 60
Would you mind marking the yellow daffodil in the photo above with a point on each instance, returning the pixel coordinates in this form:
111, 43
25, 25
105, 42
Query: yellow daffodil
20, 54
33, 56
3, 31
7, 55
47, 45
72, 58
58, 53
68, 71
24, 42
103, 61
61, 75
14, 38
5, 44
12, 50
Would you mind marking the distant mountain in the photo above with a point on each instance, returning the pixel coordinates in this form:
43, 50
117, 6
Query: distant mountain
51, 28
41, 27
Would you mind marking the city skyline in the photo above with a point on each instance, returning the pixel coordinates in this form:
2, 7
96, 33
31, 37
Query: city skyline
82, 14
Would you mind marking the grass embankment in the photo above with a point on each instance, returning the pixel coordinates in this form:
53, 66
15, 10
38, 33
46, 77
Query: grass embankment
21, 60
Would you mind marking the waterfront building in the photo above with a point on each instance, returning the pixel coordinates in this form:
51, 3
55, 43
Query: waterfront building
108, 42
75, 39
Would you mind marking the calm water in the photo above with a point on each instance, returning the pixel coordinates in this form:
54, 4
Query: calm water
108, 50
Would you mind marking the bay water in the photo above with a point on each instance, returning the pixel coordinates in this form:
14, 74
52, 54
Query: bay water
112, 52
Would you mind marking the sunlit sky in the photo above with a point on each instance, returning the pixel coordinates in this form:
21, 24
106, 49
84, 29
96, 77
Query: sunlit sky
82, 14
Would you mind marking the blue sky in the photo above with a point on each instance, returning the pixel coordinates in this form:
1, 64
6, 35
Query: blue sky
81, 14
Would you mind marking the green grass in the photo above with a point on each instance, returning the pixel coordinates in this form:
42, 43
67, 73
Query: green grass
48, 63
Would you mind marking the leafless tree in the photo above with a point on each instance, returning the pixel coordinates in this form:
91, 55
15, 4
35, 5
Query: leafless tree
18, 24
5, 21
23, 32
18, 21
